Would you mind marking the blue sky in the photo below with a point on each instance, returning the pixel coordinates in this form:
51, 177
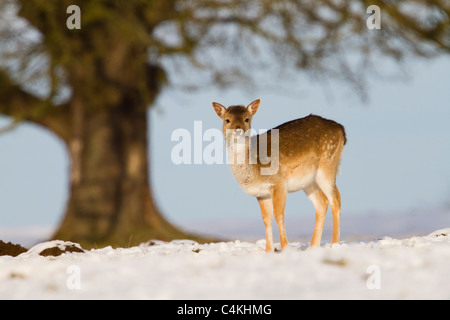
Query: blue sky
396, 158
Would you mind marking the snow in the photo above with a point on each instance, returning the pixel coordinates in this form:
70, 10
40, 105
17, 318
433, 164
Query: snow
412, 268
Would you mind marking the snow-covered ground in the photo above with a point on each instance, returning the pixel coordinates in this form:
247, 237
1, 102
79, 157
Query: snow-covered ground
412, 268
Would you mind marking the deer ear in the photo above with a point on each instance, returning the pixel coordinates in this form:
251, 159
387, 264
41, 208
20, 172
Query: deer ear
220, 109
253, 107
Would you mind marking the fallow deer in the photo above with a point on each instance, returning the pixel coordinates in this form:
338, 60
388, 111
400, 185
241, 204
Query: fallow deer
307, 154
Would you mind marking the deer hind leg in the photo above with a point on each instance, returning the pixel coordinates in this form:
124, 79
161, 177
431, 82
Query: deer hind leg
266, 205
336, 210
320, 203
327, 183
279, 194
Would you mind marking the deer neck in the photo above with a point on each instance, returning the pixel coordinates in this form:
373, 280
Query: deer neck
242, 159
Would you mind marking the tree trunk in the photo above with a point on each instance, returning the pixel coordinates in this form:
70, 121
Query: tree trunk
110, 201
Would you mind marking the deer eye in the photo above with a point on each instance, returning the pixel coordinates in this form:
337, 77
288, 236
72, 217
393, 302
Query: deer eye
247, 119
227, 120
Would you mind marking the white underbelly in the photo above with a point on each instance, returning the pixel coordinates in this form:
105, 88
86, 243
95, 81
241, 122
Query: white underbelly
299, 182
257, 189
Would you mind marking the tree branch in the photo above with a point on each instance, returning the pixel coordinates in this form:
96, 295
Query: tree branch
15, 102
23, 106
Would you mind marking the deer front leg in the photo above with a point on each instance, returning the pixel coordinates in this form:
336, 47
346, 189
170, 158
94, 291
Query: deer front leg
279, 194
267, 214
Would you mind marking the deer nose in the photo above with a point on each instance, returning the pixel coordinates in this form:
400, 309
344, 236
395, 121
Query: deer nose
238, 132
